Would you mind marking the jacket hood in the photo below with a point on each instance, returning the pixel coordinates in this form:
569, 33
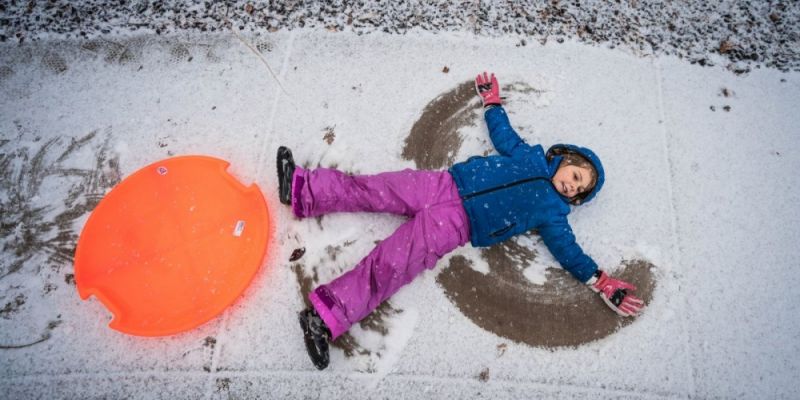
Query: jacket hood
560, 149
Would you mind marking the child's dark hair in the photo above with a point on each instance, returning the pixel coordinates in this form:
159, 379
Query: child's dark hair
570, 158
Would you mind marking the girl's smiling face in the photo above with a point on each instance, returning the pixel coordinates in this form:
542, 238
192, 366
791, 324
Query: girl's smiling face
572, 180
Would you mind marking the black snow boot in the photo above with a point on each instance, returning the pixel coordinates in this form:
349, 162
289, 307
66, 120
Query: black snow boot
285, 172
316, 336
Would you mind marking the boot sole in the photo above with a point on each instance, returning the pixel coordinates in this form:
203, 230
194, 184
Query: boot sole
314, 352
284, 161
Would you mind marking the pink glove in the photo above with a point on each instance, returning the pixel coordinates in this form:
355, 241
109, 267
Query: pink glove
615, 293
488, 89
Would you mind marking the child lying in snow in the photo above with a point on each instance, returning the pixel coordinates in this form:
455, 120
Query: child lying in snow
484, 200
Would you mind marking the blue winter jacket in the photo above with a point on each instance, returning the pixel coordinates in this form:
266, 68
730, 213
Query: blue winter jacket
511, 193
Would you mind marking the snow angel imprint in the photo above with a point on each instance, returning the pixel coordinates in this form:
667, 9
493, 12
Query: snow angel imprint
484, 200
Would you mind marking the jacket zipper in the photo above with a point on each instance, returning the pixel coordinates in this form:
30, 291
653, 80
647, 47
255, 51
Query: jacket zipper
503, 231
501, 187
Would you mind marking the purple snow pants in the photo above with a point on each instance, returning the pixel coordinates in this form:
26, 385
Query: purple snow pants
437, 224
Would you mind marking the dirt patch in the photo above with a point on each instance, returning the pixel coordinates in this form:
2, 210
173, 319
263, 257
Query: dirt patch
561, 312
305, 281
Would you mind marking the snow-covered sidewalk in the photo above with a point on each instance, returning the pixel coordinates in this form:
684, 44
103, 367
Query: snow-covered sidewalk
701, 182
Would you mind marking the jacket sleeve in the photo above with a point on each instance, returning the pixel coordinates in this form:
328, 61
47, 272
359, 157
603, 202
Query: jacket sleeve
504, 138
559, 239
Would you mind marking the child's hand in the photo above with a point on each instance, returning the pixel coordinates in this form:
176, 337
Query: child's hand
616, 294
488, 89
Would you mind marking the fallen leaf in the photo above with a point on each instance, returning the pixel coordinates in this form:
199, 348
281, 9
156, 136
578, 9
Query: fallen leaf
297, 254
725, 47
484, 376
501, 349
329, 135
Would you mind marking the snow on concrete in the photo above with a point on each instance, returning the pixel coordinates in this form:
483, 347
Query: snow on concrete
700, 181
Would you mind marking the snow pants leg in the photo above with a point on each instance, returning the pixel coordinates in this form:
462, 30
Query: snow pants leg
437, 224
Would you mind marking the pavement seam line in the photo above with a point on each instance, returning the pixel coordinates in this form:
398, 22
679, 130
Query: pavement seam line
290, 374
677, 252
223, 329
265, 142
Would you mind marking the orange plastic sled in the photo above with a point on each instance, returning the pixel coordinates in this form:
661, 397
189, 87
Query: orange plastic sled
172, 245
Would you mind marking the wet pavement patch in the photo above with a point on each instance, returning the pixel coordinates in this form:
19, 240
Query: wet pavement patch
434, 140
561, 312
54, 62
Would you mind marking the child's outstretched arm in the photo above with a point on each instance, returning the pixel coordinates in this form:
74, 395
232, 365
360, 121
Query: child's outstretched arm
560, 240
505, 139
